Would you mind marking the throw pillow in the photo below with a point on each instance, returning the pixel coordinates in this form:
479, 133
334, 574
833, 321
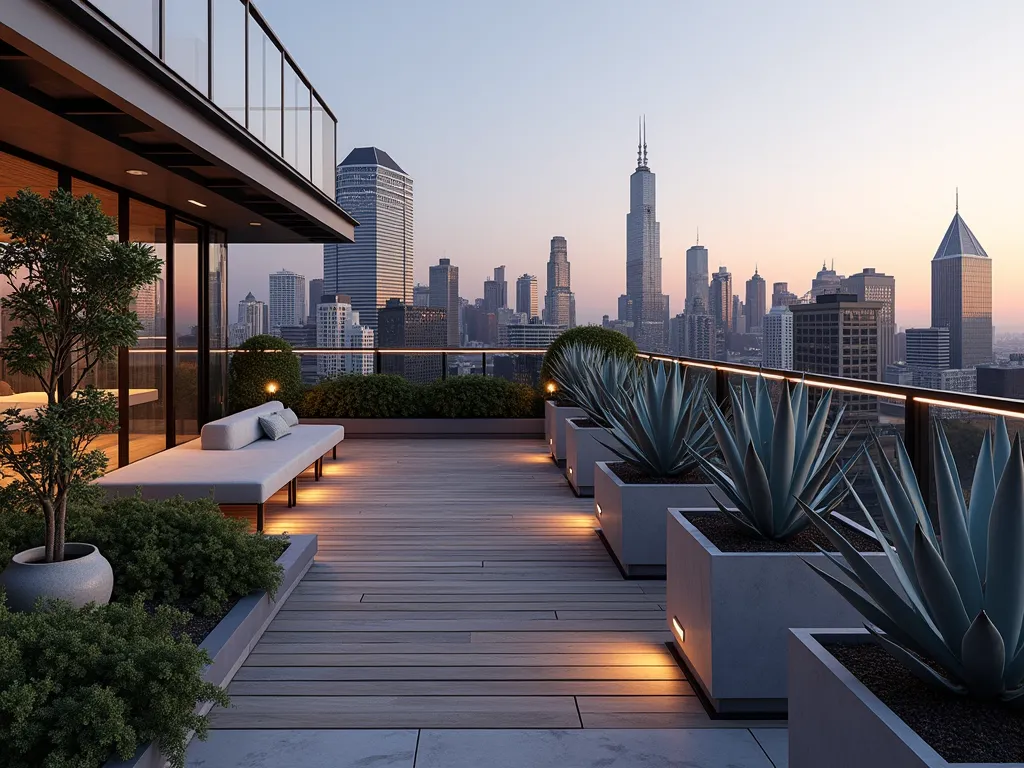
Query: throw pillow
289, 417
5, 389
274, 427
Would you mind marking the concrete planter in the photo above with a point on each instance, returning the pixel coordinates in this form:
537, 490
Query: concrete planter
730, 614
632, 517
835, 720
84, 576
359, 429
236, 635
584, 447
554, 427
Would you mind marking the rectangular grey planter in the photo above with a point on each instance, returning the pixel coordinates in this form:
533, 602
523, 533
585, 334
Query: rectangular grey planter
632, 517
554, 427
835, 720
584, 447
730, 614
360, 429
236, 635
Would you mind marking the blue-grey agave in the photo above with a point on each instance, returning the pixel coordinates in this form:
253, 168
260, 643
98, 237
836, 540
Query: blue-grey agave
658, 419
772, 459
962, 599
593, 380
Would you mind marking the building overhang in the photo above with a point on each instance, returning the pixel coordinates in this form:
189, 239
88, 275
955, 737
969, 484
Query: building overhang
79, 94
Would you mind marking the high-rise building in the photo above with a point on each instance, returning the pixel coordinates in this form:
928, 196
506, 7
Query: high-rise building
287, 299
558, 301
532, 335
304, 337
777, 344
782, 296
316, 292
928, 347
1001, 381
720, 309
696, 275
378, 265
252, 320
421, 295
962, 295
755, 303
492, 296
337, 327
405, 326
871, 285
499, 278
444, 293
527, 301
826, 281
676, 333
739, 324
650, 310
699, 336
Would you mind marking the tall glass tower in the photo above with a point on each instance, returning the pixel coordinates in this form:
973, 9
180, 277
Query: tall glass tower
643, 257
696, 276
962, 295
559, 303
377, 193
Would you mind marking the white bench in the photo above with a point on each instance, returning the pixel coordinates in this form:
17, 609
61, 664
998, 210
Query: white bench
232, 463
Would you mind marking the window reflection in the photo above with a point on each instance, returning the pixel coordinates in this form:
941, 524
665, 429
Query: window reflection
217, 278
296, 122
264, 87
323, 149
186, 40
139, 18
229, 57
186, 332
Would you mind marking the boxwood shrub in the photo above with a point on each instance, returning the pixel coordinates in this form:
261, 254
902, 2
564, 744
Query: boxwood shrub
613, 342
263, 360
467, 397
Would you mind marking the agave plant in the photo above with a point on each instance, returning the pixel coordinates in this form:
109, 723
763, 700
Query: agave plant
593, 379
656, 422
960, 602
774, 459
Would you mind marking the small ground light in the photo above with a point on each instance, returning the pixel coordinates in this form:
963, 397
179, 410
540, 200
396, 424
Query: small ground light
271, 389
678, 629
598, 506
551, 387
570, 470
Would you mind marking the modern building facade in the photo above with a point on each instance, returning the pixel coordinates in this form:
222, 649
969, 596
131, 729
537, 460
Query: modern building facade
532, 335
928, 347
444, 293
378, 266
316, 292
287, 300
777, 342
720, 308
338, 327
782, 296
649, 306
696, 276
407, 327
1001, 381
304, 337
559, 303
962, 295
872, 285
527, 296
99, 99
499, 278
754, 304
252, 319
699, 337
826, 281
421, 295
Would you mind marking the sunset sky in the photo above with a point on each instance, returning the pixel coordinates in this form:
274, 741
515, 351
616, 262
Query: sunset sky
789, 133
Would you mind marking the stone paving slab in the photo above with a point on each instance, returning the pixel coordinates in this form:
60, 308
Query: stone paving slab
304, 749
775, 742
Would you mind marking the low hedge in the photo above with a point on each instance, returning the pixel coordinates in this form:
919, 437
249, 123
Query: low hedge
263, 360
612, 342
80, 686
387, 396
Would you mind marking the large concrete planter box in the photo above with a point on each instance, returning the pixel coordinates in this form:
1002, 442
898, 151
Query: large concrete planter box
554, 427
632, 517
236, 635
435, 428
730, 614
584, 447
835, 720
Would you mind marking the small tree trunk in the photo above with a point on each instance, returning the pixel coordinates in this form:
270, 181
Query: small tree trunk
48, 514
58, 533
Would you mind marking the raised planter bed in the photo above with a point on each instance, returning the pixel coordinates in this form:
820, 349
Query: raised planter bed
230, 642
434, 428
584, 447
632, 517
835, 720
730, 614
554, 427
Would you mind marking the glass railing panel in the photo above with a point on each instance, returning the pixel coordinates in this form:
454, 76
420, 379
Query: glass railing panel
296, 121
187, 41
139, 18
264, 87
228, 91
323, 158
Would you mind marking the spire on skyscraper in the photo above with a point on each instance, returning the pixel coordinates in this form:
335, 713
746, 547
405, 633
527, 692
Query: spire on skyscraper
639, 142
645, 140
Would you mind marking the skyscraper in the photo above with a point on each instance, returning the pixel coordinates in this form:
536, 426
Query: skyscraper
527, 302
406, 326
444, 293
287, 299
777, 345
696, 275
316, 292
928, 347
755, 301
962, 295
492, 296
337, 326
699, 336
252, 320
782, 296
870, 285
720, 309
643, 256
558, 301
826, 281
499, 278
421, 295
378, 266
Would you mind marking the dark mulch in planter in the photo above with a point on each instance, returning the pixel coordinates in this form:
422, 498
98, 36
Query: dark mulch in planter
585, 423
198, 627
960, 729
564, 403
629, 474
724, 534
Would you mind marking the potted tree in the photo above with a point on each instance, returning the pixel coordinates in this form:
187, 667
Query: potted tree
71, 287
736, 578
943, 650
657, 433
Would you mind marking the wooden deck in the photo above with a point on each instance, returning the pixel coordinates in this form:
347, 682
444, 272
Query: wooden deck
459, 584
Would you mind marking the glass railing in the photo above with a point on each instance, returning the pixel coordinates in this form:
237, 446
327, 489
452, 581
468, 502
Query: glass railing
226, 51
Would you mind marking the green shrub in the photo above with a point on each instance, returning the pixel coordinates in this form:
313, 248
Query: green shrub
379, 396
179, 552
467, 397
263, 360
612, 342
80, 686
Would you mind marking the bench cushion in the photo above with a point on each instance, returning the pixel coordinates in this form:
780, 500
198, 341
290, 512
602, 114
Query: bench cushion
248, 475
237, 430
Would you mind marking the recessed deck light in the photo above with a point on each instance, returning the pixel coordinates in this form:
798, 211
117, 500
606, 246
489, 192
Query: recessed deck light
679, 630
255, 224
570, 470
598, 507
196, 202
136, 172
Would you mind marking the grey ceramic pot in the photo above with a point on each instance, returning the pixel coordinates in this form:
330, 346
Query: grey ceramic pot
85, 576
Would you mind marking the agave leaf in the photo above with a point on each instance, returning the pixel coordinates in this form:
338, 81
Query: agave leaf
759, 491
984, 656
746, 423
913, 491
1004, 585
983, 492
917, 667
897, 533
800, 414
783, 448
736, 518
727, 446
1013, 675
808, 439
940, 592
1001, 446
908, 513
766, 421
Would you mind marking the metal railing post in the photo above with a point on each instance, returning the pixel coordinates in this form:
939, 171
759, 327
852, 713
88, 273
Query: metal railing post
721, 388
917, 439
483, 358
444, 366
378, 360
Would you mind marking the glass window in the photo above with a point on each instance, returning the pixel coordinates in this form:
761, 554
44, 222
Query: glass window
323, 148
229, 57
139, 18
264, 87
217, 277
296, 121
147, 360
186, 332
186, 40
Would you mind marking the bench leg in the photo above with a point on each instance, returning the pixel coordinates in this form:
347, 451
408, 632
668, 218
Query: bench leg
334, 452
293, 486
259, 517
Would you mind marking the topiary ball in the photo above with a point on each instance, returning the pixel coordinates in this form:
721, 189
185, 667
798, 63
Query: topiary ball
263, 369
612, 342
